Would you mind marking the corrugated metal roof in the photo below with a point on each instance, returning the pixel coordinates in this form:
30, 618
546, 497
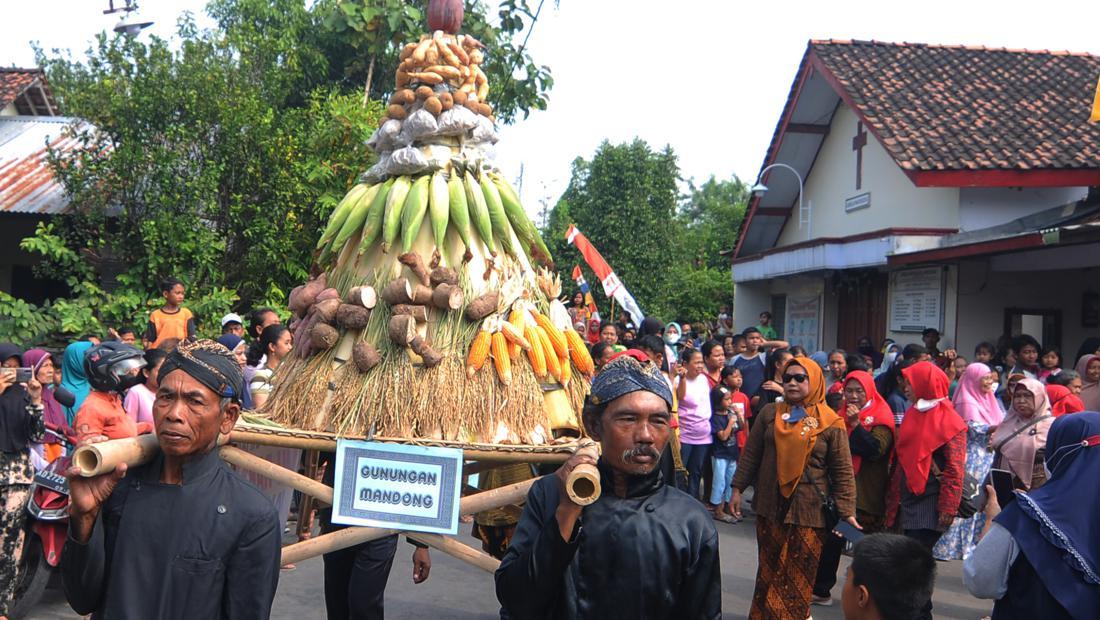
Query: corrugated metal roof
27, 184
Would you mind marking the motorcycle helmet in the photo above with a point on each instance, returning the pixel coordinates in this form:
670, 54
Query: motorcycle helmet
111, 366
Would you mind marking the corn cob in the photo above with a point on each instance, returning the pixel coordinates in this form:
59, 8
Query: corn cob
479, 352
578, 352
355, 219
557, 339
535, 354
502, 230
513, 335
479, 212
412, 215
553, 362
460, 214
500, 358
391, 221
524, 227
373, 226
515, 319
340, 213
566, 372
439, 209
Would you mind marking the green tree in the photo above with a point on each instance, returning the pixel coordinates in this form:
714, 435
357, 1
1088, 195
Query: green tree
667, 249
624, 200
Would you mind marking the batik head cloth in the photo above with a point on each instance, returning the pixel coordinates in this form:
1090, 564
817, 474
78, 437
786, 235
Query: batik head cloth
626, 373
209, 363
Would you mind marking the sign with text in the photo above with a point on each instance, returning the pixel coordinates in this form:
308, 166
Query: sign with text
397, 486
916, 299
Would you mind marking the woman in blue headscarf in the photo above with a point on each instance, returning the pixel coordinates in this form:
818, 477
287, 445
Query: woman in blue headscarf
1040, 557
73, 378
238, 348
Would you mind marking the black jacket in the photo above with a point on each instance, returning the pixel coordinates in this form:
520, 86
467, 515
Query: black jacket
208, 548
651, 554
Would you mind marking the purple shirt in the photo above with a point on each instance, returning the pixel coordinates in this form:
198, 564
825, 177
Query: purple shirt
695, 412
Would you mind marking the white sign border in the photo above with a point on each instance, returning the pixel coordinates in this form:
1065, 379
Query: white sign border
450, 460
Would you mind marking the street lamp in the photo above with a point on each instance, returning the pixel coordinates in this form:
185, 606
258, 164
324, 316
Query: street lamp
131, 23
759, 189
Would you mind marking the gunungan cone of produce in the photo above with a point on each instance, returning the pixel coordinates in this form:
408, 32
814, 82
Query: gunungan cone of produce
433, 311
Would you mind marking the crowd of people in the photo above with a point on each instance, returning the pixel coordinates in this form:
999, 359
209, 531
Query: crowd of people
896, 446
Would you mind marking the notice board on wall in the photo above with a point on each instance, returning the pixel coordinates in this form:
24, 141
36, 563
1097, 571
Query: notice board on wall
916, 299
803, 322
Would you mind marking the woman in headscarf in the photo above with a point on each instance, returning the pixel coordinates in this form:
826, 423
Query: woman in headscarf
1020, 440
1063, 400
926, 487
1040, 556
870, 425
1091, 346
73, 378
978, 406
21, 414
1088, 366
797, 453
41, 363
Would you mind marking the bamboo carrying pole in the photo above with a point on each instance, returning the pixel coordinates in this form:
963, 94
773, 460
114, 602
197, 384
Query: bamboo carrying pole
458, 550
245, 460
95, 459
342, 539
583, 483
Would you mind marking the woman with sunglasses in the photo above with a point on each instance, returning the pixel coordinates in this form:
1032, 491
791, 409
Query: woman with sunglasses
796, 455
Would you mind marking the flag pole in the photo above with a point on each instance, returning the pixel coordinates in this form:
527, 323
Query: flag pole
611, 317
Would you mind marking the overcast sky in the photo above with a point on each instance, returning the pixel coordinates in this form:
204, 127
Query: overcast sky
708, 78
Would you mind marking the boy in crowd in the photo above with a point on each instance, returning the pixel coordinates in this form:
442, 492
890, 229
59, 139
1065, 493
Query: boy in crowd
891, 578
984, 352
233, 324
125, 335
171, 320
751, 362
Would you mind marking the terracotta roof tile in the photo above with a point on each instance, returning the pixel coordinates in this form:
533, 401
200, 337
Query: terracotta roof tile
938, 107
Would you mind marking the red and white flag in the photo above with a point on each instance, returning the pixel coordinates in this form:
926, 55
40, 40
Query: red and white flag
612, 286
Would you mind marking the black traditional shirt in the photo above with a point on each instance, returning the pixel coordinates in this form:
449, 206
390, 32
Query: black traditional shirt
207, 548
651, 554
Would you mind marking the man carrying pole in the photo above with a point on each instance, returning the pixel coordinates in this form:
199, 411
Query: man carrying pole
648, 550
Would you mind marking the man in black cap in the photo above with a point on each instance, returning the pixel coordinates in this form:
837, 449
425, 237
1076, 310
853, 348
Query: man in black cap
643, 549
183, 536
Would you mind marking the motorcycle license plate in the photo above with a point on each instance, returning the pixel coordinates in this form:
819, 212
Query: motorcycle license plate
52, 480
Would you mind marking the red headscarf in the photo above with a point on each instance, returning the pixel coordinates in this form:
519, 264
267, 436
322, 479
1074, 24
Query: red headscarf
923, 432
876, 412
1063, 401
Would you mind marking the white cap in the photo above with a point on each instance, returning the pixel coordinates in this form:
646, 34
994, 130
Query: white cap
232, 318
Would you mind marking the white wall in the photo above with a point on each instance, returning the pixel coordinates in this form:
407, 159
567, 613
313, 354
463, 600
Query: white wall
982, 207
895, 201
749, 300
984, 293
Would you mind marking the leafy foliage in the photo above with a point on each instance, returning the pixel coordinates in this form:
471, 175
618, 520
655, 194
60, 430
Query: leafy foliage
216, 157
665, 247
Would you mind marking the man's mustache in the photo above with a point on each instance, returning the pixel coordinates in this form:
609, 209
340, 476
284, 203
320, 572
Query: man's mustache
642, 450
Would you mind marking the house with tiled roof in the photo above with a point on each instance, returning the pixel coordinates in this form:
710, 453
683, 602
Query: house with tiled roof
29, 127
912, 186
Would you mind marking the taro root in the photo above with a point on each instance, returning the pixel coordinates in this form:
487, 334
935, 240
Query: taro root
323, 337
350, 316
326, 310
365, 356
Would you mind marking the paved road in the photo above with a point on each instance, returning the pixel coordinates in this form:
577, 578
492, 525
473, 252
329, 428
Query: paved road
457, 591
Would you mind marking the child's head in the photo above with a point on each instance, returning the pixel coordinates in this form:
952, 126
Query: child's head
720, 399
732, 379
126, 335
984, 352
1050, 358
891, 577
173, 291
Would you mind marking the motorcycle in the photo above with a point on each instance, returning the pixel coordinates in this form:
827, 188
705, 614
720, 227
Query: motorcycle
47, 529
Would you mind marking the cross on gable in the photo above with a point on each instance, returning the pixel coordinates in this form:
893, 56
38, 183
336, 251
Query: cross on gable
858, 142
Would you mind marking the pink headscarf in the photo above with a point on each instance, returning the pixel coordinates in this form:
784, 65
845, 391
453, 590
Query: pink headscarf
1019, 452
973, 404
1090, 393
